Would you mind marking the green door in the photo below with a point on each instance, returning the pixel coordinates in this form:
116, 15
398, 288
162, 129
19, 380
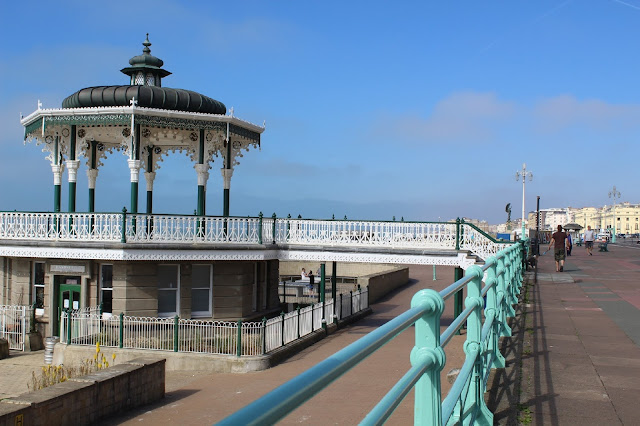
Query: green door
68, 297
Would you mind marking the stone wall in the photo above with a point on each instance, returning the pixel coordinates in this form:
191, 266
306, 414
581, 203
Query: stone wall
382, 283
343, 269
87, 399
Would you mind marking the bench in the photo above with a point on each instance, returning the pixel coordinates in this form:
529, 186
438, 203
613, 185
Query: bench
603, 246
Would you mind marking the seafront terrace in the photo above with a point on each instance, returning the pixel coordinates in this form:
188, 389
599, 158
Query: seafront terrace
125, 228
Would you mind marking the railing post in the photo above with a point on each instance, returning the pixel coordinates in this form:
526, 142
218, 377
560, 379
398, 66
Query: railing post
457, 297
176, 322
286, 237
68, 327
264, 335
457, 233
427, 406
340, 305
273, 228
474, 405
282, 316
298, 309
505, 329
123, 237
434, 272
121, 334
510, 284
239, 339
492, 310
260, 228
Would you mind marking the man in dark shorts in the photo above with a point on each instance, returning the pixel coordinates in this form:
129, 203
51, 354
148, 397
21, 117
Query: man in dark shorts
560, 243
589, 236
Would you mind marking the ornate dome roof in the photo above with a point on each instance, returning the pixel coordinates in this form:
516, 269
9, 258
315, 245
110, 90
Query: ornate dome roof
146, 96
146, 75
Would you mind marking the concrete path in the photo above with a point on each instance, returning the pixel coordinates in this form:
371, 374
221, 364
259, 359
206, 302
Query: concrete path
15, 372
581, 351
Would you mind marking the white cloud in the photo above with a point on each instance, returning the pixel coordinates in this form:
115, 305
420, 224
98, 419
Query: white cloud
463, 117
565, 111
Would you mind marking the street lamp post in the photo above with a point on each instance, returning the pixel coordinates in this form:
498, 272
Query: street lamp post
613, 194
523, 174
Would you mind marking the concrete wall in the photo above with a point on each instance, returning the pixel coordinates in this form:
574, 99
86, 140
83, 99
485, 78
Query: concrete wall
139, 283
343, 269
87, 399
380, 284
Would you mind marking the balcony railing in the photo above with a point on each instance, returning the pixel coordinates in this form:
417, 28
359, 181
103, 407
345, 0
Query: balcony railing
167, 229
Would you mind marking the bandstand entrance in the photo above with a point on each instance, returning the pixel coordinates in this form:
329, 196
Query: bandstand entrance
68, 297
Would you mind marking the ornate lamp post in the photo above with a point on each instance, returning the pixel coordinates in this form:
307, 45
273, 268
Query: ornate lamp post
524, 174
613, 194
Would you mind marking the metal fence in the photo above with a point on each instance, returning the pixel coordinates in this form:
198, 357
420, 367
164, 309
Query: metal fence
15, 322
88, 327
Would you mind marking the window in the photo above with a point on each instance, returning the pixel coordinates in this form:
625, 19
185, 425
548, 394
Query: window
168, 286
106, 288
37, 280
139, 81
151, 81
201, 282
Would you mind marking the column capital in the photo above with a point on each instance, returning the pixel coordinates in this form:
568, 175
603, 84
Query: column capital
226, 175
73, 165
92, 175
57, 170
134, 168
203, 174
149, 177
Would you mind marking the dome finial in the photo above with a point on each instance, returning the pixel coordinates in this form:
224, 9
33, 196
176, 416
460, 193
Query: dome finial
146, 45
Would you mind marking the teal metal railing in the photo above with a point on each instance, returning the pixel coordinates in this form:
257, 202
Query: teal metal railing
503, 280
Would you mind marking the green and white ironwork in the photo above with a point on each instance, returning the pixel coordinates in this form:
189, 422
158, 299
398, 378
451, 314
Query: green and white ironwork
88, 326
15, 323
202, 230
503, 280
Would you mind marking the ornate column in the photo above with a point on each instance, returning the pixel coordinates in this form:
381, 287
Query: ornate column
226, 175
134, 168
72, 165
57, 168
203, 177
92, 175
149, 178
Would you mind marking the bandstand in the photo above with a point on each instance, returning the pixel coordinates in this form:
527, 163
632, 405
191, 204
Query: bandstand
144, 121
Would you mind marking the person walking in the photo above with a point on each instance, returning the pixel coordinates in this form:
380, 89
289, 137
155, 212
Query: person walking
559, 243
570, 243
589, 237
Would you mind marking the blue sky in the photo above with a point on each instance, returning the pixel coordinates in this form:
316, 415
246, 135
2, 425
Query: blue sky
373, 109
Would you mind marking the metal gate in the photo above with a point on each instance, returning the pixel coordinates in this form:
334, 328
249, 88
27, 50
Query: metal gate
14, 325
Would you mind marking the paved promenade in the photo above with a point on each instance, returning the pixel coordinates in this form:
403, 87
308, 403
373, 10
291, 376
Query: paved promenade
581, 346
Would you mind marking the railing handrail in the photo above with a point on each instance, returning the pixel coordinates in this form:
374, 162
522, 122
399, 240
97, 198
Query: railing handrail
281, 401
